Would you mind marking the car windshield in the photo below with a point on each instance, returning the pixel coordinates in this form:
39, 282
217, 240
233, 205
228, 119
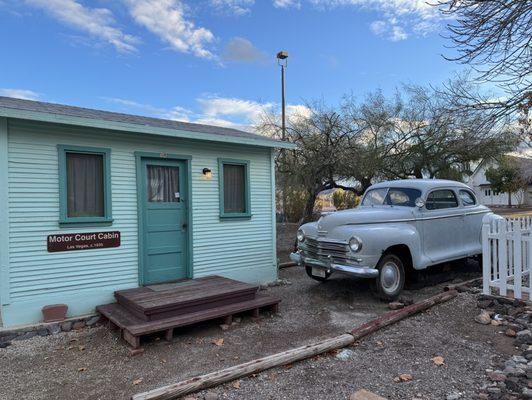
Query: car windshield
405, 197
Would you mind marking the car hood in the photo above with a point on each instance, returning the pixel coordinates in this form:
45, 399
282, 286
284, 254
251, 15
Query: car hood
365, 215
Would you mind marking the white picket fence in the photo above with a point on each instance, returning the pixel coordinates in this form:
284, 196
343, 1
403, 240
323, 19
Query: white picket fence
507, 257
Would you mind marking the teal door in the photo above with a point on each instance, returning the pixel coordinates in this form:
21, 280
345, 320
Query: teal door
163, 223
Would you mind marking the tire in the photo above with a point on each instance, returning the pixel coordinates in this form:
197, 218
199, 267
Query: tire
317, 278
391, 279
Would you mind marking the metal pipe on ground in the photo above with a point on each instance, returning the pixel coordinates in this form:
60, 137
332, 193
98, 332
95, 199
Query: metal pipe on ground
287, 265
290, 356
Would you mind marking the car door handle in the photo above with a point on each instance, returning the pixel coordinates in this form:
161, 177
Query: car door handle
185, 226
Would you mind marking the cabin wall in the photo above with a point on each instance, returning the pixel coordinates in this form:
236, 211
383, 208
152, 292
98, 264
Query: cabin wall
242, 249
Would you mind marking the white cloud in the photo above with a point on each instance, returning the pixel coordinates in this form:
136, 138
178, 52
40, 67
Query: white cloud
213, 110
286, 3
245, 111
166, 19
237, 7
240, 49
398, 34
19, 93
399, 18
97, 22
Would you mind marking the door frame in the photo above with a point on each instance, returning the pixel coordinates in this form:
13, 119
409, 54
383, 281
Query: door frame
139, 157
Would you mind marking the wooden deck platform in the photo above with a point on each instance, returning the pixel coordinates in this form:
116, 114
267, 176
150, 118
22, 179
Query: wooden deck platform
162, 308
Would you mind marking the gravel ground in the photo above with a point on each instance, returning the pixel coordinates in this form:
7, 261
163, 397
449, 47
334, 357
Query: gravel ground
405, 348
94, 364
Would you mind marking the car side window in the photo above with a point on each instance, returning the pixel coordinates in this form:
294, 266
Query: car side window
440, 199
468, 199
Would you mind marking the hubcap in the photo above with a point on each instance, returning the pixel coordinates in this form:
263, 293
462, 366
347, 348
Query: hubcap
390, 276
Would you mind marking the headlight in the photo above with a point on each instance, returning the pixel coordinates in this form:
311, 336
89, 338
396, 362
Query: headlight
300, 236
355, 244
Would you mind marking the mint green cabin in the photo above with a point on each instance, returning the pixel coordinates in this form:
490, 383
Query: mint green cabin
92, 202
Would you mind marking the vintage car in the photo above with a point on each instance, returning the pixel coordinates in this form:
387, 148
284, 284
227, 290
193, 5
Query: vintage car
399, 226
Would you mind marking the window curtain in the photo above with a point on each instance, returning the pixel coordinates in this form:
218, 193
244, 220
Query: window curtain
234, 189
163, 184
85, 187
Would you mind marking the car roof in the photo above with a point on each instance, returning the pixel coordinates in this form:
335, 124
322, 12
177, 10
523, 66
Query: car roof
420, 184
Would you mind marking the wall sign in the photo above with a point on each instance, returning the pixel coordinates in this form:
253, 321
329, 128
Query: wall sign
83, 241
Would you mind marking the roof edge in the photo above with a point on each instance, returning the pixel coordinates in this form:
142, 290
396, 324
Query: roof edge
136, 128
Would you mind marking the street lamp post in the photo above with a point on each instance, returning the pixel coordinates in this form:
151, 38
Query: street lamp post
282, 60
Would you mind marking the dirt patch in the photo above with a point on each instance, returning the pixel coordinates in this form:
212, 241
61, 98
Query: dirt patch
408, 347
94, 364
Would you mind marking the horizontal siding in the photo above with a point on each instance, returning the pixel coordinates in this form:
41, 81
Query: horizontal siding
226, 247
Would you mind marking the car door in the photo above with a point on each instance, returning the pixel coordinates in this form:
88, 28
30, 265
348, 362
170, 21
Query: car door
442, 220
473, 214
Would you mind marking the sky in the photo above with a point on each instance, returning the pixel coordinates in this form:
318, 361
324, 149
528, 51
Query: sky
213, 61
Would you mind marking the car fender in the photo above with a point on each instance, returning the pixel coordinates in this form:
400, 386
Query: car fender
377, 238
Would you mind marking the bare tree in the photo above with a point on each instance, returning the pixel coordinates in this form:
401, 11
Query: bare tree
494, 37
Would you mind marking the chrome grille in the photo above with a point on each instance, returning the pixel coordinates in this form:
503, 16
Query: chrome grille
322, 249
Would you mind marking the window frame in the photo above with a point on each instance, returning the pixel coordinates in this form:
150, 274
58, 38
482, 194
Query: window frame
456, 197
471, 193
64, 219
247, 189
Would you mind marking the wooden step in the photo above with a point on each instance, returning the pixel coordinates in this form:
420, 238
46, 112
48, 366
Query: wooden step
172, 299
133, 327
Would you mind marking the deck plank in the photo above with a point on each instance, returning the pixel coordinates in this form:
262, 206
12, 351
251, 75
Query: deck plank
121, 317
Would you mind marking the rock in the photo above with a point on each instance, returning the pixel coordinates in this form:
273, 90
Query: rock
4, 344
496, 376
78, 325
483, 396
527, 393
395, 305
496, 322
43, 332
344, 354
407, 301
510, 332
93, 320
211, 396
224, 327
484, 304
27, 335
483, 318
524, 337
66, 326
454, 396
54, 329
405, 378
135, 352
365, 395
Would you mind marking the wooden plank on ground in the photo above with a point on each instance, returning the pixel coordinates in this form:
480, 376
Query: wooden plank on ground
290, 356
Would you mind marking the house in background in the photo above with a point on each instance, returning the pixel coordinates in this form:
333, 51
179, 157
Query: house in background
488, 196
92, 202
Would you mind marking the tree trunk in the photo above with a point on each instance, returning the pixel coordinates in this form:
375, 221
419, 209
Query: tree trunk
309, 207
509, 199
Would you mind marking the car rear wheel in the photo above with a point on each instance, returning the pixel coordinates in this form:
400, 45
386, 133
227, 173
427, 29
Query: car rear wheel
391, 279
317, 278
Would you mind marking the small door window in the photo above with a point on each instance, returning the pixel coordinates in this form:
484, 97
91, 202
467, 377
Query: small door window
162, 184
441, 199
468, 198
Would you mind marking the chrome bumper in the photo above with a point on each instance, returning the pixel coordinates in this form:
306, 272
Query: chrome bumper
362, 272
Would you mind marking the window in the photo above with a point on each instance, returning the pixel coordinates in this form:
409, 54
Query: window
234, 188
468, 198
163, 184
405, 197
84, 185
440, 199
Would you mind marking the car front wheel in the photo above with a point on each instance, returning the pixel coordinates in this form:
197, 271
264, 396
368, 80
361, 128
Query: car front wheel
391, 279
